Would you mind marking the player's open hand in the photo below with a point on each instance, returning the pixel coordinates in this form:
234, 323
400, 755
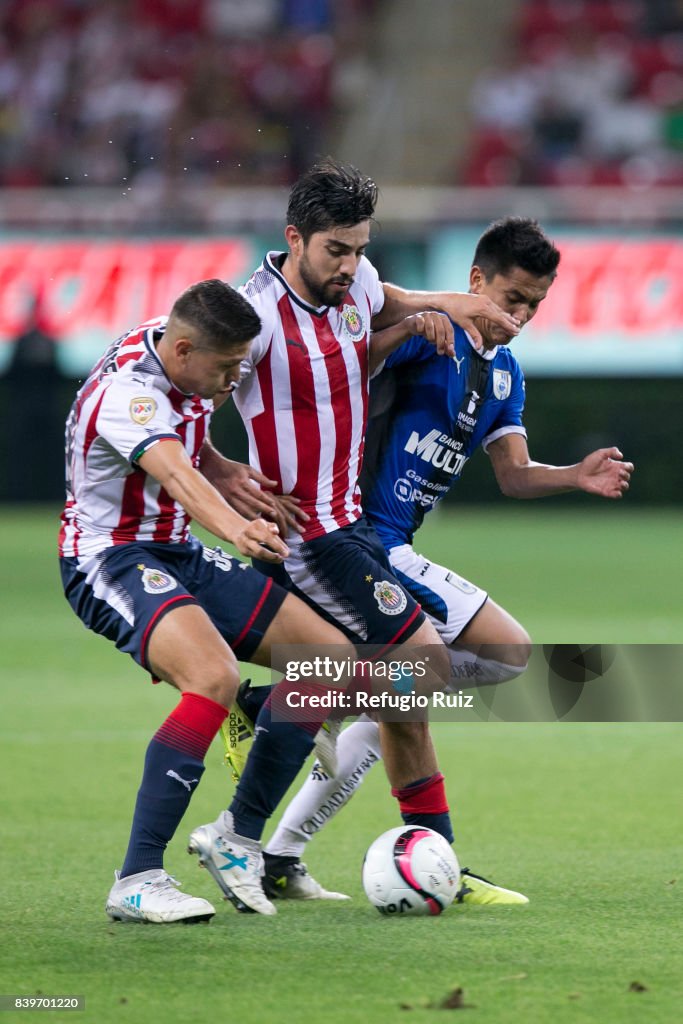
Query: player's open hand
244, 487
604, 472
260, 539
288, 514
435, 327
466, 309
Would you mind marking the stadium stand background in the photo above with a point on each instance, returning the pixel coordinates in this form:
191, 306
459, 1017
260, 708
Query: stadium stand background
105, 94
190, 118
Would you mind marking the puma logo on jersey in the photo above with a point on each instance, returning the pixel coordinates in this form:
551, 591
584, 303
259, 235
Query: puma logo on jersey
295, 344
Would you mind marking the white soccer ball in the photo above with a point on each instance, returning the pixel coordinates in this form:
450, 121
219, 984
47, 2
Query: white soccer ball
411, 870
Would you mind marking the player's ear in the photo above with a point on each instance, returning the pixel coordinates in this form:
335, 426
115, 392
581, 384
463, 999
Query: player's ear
183, 346
476, 280
294, 239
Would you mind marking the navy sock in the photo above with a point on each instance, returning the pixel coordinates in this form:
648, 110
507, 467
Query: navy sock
174, 764
161, 803
278, 752
423, 802
441, 823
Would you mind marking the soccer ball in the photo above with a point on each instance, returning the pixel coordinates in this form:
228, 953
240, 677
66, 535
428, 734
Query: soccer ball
411, 870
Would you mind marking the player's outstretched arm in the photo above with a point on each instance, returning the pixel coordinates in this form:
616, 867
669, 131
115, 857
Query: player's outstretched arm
170, 465
435, 327
462, 307
603, 472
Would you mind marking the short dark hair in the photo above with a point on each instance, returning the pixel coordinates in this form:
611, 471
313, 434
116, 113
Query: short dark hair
515, 242
221, 316
330, 195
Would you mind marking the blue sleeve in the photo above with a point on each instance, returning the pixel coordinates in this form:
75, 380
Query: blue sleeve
509, 418
514, 405
415, 349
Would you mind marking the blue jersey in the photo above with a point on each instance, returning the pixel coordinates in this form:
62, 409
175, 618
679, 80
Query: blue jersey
428, 415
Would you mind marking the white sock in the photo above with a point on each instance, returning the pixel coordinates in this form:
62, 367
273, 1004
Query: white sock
320, 798
358, 749
469, 670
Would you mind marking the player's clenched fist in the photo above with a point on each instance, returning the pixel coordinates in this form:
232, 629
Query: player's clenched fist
435, 327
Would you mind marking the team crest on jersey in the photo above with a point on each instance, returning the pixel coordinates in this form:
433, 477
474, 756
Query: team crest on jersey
142, 410
352, 323
390, 598
502, 384
154, 581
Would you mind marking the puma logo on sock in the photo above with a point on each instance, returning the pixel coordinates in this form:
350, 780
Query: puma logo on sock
187, 783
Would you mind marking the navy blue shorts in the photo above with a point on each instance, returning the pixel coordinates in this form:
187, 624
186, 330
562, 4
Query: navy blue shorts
126, 590
345, 576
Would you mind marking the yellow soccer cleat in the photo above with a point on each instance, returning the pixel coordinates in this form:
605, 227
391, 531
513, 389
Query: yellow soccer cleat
478, 891
237, 733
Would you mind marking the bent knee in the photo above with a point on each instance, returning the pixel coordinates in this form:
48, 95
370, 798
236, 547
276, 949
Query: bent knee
217, 678
519, 649
507, 661
511, 646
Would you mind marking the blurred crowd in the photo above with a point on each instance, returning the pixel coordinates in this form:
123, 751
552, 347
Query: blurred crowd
587, 92
230, 92
221, 91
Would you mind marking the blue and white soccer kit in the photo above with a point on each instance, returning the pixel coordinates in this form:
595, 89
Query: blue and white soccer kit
428, 415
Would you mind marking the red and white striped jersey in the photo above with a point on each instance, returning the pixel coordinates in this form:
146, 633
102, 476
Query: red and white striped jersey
303, 395
126, 405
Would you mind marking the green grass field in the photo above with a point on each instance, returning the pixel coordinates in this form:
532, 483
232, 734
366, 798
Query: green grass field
585, 818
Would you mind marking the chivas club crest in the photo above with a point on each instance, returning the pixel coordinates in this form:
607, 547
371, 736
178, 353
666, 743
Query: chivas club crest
390, 598
352, 323
154, 581
142, 410
502, 384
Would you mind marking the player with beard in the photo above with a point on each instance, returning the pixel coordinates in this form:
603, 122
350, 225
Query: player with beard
428, 415
303, 398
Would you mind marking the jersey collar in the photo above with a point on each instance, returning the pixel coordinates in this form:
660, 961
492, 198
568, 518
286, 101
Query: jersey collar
482, 353
273, 263
152, 336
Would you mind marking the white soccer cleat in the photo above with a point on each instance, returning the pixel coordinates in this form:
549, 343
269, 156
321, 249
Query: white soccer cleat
235, 863
326, 747
153, 897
